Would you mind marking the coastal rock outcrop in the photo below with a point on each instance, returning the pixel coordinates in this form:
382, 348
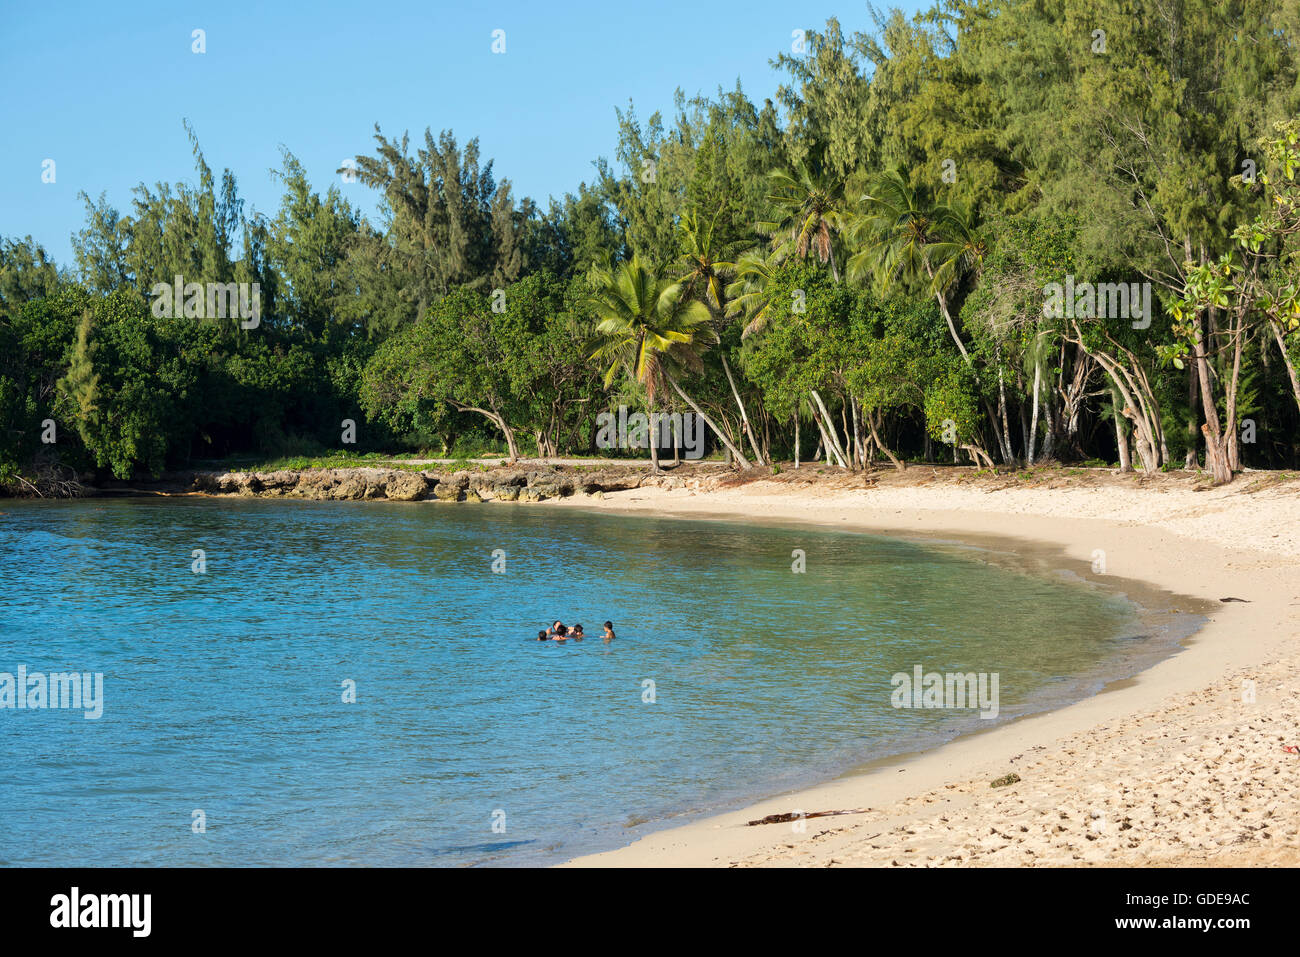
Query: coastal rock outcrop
505, 484
318, 484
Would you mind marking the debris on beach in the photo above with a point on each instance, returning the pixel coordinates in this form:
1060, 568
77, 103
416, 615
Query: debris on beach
797, 816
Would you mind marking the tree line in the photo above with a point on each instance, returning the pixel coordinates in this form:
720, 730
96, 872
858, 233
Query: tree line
990, 233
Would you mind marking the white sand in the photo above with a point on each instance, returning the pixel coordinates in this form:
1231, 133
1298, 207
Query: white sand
1172, 767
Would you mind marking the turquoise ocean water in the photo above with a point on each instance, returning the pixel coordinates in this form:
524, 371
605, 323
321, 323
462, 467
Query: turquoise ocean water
469, 741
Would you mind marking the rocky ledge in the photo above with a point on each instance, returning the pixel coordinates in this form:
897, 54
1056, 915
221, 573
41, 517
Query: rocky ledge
401, 485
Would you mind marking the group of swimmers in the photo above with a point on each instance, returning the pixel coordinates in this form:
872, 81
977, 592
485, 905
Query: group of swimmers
561, 632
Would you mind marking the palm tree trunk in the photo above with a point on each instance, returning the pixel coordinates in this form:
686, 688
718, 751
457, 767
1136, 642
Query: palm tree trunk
1033, 419
654, 443
796, 437
952, 326
737, 455
744, 415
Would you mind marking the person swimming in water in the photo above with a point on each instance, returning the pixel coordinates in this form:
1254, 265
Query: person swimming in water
609, 631
559, 632
542, 636
576, 633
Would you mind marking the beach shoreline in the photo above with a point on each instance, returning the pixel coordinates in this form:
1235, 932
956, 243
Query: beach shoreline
1171, 767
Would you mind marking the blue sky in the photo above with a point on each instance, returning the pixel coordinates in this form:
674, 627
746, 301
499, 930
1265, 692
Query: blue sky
102, 89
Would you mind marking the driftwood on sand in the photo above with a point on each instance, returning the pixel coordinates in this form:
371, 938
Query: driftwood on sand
799, 816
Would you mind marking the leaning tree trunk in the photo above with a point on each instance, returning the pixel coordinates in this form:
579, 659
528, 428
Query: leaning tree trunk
1286, 358
875, 437
736, 455
512, 444
952, 326
977, 455
1121, 443
497, 419
1004, 441
1233, 434
825, 450
1138, 403
829, 430
744, 415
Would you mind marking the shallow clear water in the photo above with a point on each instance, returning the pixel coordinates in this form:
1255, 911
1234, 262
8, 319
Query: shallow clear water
223, 692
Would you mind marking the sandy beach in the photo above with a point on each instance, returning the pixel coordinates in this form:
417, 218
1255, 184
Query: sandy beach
1182, 765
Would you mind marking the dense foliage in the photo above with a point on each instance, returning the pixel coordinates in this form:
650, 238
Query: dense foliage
1001, 231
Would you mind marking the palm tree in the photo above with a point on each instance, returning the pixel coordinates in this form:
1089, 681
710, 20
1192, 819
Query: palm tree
647, 329
806, 214
903, 238
702, 275
747, 296
704, 278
